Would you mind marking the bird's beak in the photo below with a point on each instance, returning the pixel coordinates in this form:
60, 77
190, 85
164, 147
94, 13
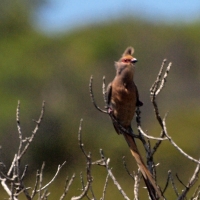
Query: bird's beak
134, 60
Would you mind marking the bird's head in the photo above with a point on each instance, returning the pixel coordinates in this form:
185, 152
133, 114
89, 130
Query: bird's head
126, 61
127, 56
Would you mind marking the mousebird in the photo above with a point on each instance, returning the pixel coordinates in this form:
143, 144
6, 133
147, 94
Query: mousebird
122, 100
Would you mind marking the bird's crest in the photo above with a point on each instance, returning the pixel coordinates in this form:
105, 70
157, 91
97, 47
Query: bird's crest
128, 51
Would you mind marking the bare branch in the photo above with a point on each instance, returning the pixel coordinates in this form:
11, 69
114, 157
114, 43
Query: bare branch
40, 180
191, 182
180, 180
196, 194
36, 184
38, 122
81, 145
164, 79
6, 188
125, 166
176, 146
104, 92
159, 83
173, 184
45, 195
92, 97
12, 165
67, 186
19, 128
104, 188
137, 184
154, 91
112, 176
167, 182
121, 129
83, 185
148, 136
89, 164
52, 180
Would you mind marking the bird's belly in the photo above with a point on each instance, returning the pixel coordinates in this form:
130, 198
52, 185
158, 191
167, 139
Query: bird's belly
123, 103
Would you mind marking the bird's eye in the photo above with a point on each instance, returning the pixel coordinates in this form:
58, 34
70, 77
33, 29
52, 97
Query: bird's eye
126, 60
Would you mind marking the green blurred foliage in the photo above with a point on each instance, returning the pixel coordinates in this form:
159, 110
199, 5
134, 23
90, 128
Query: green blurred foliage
35, 67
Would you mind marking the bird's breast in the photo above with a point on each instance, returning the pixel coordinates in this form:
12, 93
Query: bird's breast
123, 102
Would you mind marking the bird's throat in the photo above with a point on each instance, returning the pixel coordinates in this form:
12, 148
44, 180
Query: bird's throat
126, 76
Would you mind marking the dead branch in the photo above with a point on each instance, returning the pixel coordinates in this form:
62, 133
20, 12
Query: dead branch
126, 168
92, 97
13, 181
191, 182
36, 184
105, 187
175, 145
136, 176
154, 91
67, 186
196, 194
52, 180
89, 164
30, 139
106, 162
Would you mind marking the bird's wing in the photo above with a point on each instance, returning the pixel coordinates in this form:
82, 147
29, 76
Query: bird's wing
138, 102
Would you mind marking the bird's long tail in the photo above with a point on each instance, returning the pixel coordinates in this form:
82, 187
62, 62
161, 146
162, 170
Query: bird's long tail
147, 176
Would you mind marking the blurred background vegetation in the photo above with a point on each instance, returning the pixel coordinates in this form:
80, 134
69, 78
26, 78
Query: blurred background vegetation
36, 67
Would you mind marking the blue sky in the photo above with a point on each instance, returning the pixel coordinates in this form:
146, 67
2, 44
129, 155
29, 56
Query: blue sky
59, 15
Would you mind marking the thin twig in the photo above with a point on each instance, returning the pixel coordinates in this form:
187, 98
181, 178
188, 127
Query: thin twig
24, 172
45, 195
104, 92
137, 184
81, 145
154, 91
105, 187
12, 165
38, 122
6, 188
150, 137
163, 81
176, 146
196, 193
125, 166
92, 97
88, 168
67, 186
180, 180
54, 177
19, 128
173, 184
191, 182
83, 185
167, 182
36, 184
40, 180
112, 176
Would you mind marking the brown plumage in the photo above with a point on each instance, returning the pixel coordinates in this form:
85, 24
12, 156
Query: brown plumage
122, 99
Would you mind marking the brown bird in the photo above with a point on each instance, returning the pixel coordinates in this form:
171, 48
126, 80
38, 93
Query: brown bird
122, 99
